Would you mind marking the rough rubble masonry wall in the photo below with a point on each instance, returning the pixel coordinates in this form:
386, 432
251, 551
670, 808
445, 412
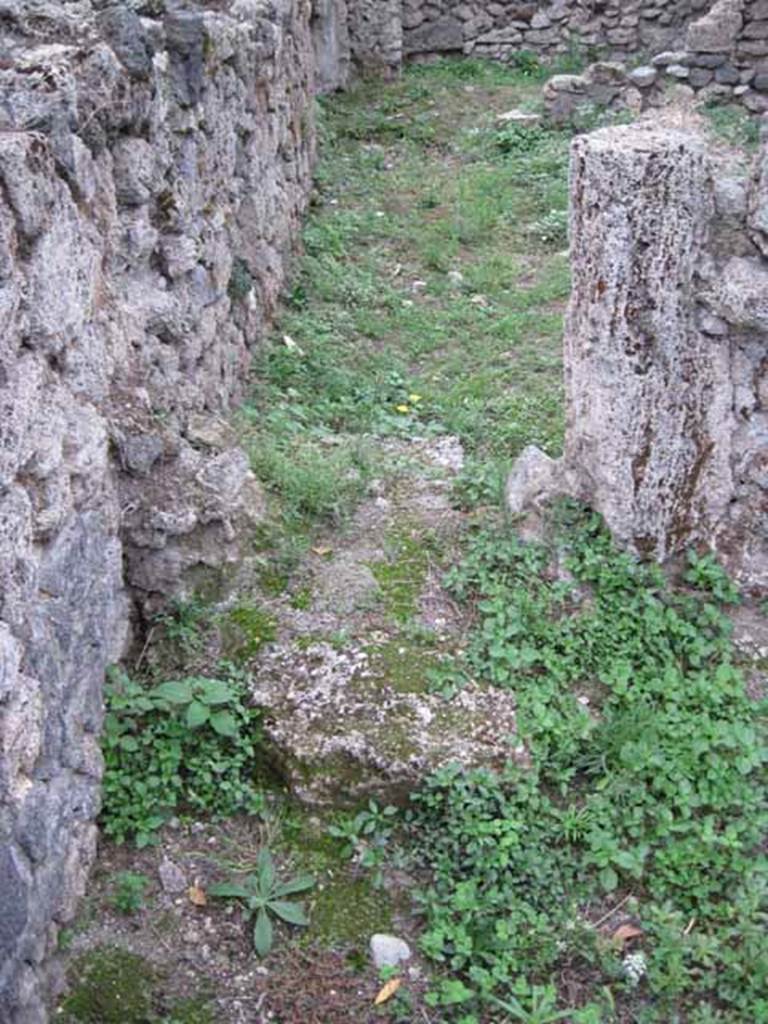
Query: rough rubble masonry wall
724, 59
153, 172
666, 357
501, 28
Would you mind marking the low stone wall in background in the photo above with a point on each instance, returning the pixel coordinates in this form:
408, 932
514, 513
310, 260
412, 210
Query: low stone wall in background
501, 28
724, 59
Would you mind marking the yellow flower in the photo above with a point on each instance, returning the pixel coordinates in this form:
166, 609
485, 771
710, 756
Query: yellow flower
414, 398
402, 408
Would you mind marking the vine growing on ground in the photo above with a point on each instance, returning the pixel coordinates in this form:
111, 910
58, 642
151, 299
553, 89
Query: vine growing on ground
645, 792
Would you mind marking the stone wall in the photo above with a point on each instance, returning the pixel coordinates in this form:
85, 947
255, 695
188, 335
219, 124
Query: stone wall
724, 59
666, 348
379, 35
153, 173
500, 29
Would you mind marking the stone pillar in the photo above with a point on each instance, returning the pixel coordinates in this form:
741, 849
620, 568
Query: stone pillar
376, 36
648, 394
330, 38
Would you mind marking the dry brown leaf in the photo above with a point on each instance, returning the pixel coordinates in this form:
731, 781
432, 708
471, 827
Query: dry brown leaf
322, 551
624, 933
388, 991
197, 896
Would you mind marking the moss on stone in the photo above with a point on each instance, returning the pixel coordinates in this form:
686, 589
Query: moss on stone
191, 1011
402, 665
109, 985
402, 576
348, 910
244, 631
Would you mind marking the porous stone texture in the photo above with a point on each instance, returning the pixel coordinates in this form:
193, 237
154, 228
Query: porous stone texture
154, 164
666, 351
376, 36
330, 36
646, 390
340, 733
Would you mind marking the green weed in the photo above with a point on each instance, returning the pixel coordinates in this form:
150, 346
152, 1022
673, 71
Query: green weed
186, 745
372, 317
130, 889
735, 125
646, 783
264, 898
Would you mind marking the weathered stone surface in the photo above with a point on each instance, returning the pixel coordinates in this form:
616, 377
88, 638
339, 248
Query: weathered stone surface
501, 29
743, 294
439, 36
136, 157
665, 363
330, 37
341, 733
646, 393
643, 77
172, 878
376, 35
758, 203
718, 30
388, 951
532, 480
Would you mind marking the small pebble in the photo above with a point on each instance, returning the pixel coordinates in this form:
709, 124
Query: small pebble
172, 877
388, 950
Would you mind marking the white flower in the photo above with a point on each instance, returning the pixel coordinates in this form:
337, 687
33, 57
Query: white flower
635, 967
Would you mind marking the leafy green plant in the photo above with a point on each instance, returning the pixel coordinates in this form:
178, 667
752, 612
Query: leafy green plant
480, 483
705, 573
201, 702
519, 138
187, 745
541, 1009
647, 761
182, 624
365, 835
264, 897
527, 63
130, 889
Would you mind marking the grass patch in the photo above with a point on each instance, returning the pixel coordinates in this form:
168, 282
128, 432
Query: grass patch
412, 284
734, 125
